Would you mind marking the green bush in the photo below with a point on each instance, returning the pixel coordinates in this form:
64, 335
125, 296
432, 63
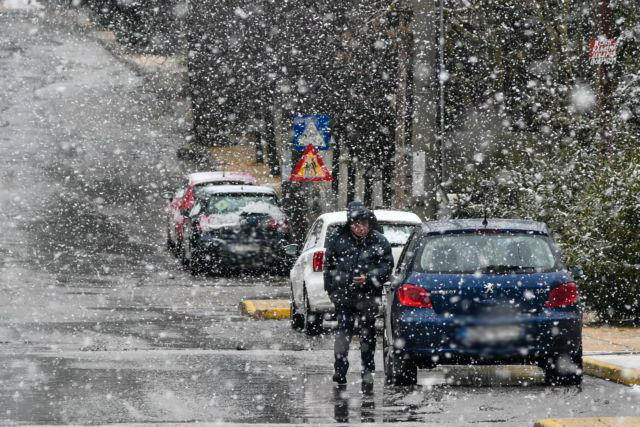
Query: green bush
591, 200
606, 240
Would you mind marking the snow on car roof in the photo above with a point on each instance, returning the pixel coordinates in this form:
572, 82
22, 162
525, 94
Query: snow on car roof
252, 189
492, 224
382, 215
219, 176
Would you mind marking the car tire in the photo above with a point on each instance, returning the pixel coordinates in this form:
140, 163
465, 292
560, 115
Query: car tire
280, 268
170, 246
388, 376
182, 251
399, 369
214, 266
563, 369
196, 262
195, 267
312, 321
297, 319
286, 264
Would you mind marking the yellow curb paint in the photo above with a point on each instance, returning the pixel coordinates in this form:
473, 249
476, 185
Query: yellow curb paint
549, 422
610, 371
589, 422
266, 309
247, 308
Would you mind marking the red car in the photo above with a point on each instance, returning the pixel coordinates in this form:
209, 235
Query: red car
181, 201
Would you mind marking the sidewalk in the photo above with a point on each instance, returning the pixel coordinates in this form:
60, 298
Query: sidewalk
612, 353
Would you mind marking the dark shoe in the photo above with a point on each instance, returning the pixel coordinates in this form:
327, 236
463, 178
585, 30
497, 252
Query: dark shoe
367, 388
340, 379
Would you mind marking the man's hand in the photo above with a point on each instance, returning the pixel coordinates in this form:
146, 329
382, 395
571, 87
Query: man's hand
360, 280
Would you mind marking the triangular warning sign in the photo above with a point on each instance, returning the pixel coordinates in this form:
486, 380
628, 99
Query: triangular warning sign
310, 167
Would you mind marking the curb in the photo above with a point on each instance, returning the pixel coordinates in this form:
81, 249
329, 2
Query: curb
589, 422
277, 309
611, 372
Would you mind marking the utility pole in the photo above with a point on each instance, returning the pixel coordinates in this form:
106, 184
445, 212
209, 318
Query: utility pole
424, 141
401, 144
441, 77
443, 208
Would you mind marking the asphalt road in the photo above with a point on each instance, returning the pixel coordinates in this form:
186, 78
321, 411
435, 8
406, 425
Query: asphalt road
99, 324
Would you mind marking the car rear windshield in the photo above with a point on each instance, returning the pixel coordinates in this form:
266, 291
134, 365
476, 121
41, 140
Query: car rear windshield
396, 234
220, 204
201, 190
495, 253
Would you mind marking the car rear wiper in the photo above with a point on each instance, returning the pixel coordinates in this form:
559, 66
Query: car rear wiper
500, 268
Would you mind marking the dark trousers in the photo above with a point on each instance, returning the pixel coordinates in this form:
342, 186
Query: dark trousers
365, 312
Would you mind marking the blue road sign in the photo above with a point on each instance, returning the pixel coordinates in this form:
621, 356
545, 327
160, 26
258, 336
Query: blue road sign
311, 129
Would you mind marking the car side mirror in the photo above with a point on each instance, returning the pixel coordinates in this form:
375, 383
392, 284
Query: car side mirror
577, 273
291, 250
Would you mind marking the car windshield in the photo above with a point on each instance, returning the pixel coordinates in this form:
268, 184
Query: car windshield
496, 253
220, 204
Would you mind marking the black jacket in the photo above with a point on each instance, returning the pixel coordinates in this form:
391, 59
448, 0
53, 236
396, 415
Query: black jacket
346, 257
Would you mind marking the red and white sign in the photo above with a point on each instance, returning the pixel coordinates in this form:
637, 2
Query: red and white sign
310, 167
603, 51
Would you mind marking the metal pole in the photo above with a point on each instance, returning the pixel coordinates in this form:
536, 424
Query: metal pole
443, 208
441, 79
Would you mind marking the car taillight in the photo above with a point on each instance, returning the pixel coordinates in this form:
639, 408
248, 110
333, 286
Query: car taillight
562, 296
414, 296
318, 261
187, 201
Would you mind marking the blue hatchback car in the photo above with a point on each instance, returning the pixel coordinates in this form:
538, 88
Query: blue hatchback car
482, 292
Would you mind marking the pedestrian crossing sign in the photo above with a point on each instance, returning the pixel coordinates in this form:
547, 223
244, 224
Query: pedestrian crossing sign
310, 167
311, 129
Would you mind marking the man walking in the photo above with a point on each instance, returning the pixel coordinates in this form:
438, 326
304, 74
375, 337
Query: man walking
358, 262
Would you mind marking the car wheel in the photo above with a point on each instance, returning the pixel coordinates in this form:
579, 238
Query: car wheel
297, 319
170, 246
564, 369
399, 369
214, 266
184, 260
388, 378
278, 268
282, 267
196, 262
312, 321
195, 267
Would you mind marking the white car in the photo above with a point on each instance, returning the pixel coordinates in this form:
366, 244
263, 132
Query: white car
309, 301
